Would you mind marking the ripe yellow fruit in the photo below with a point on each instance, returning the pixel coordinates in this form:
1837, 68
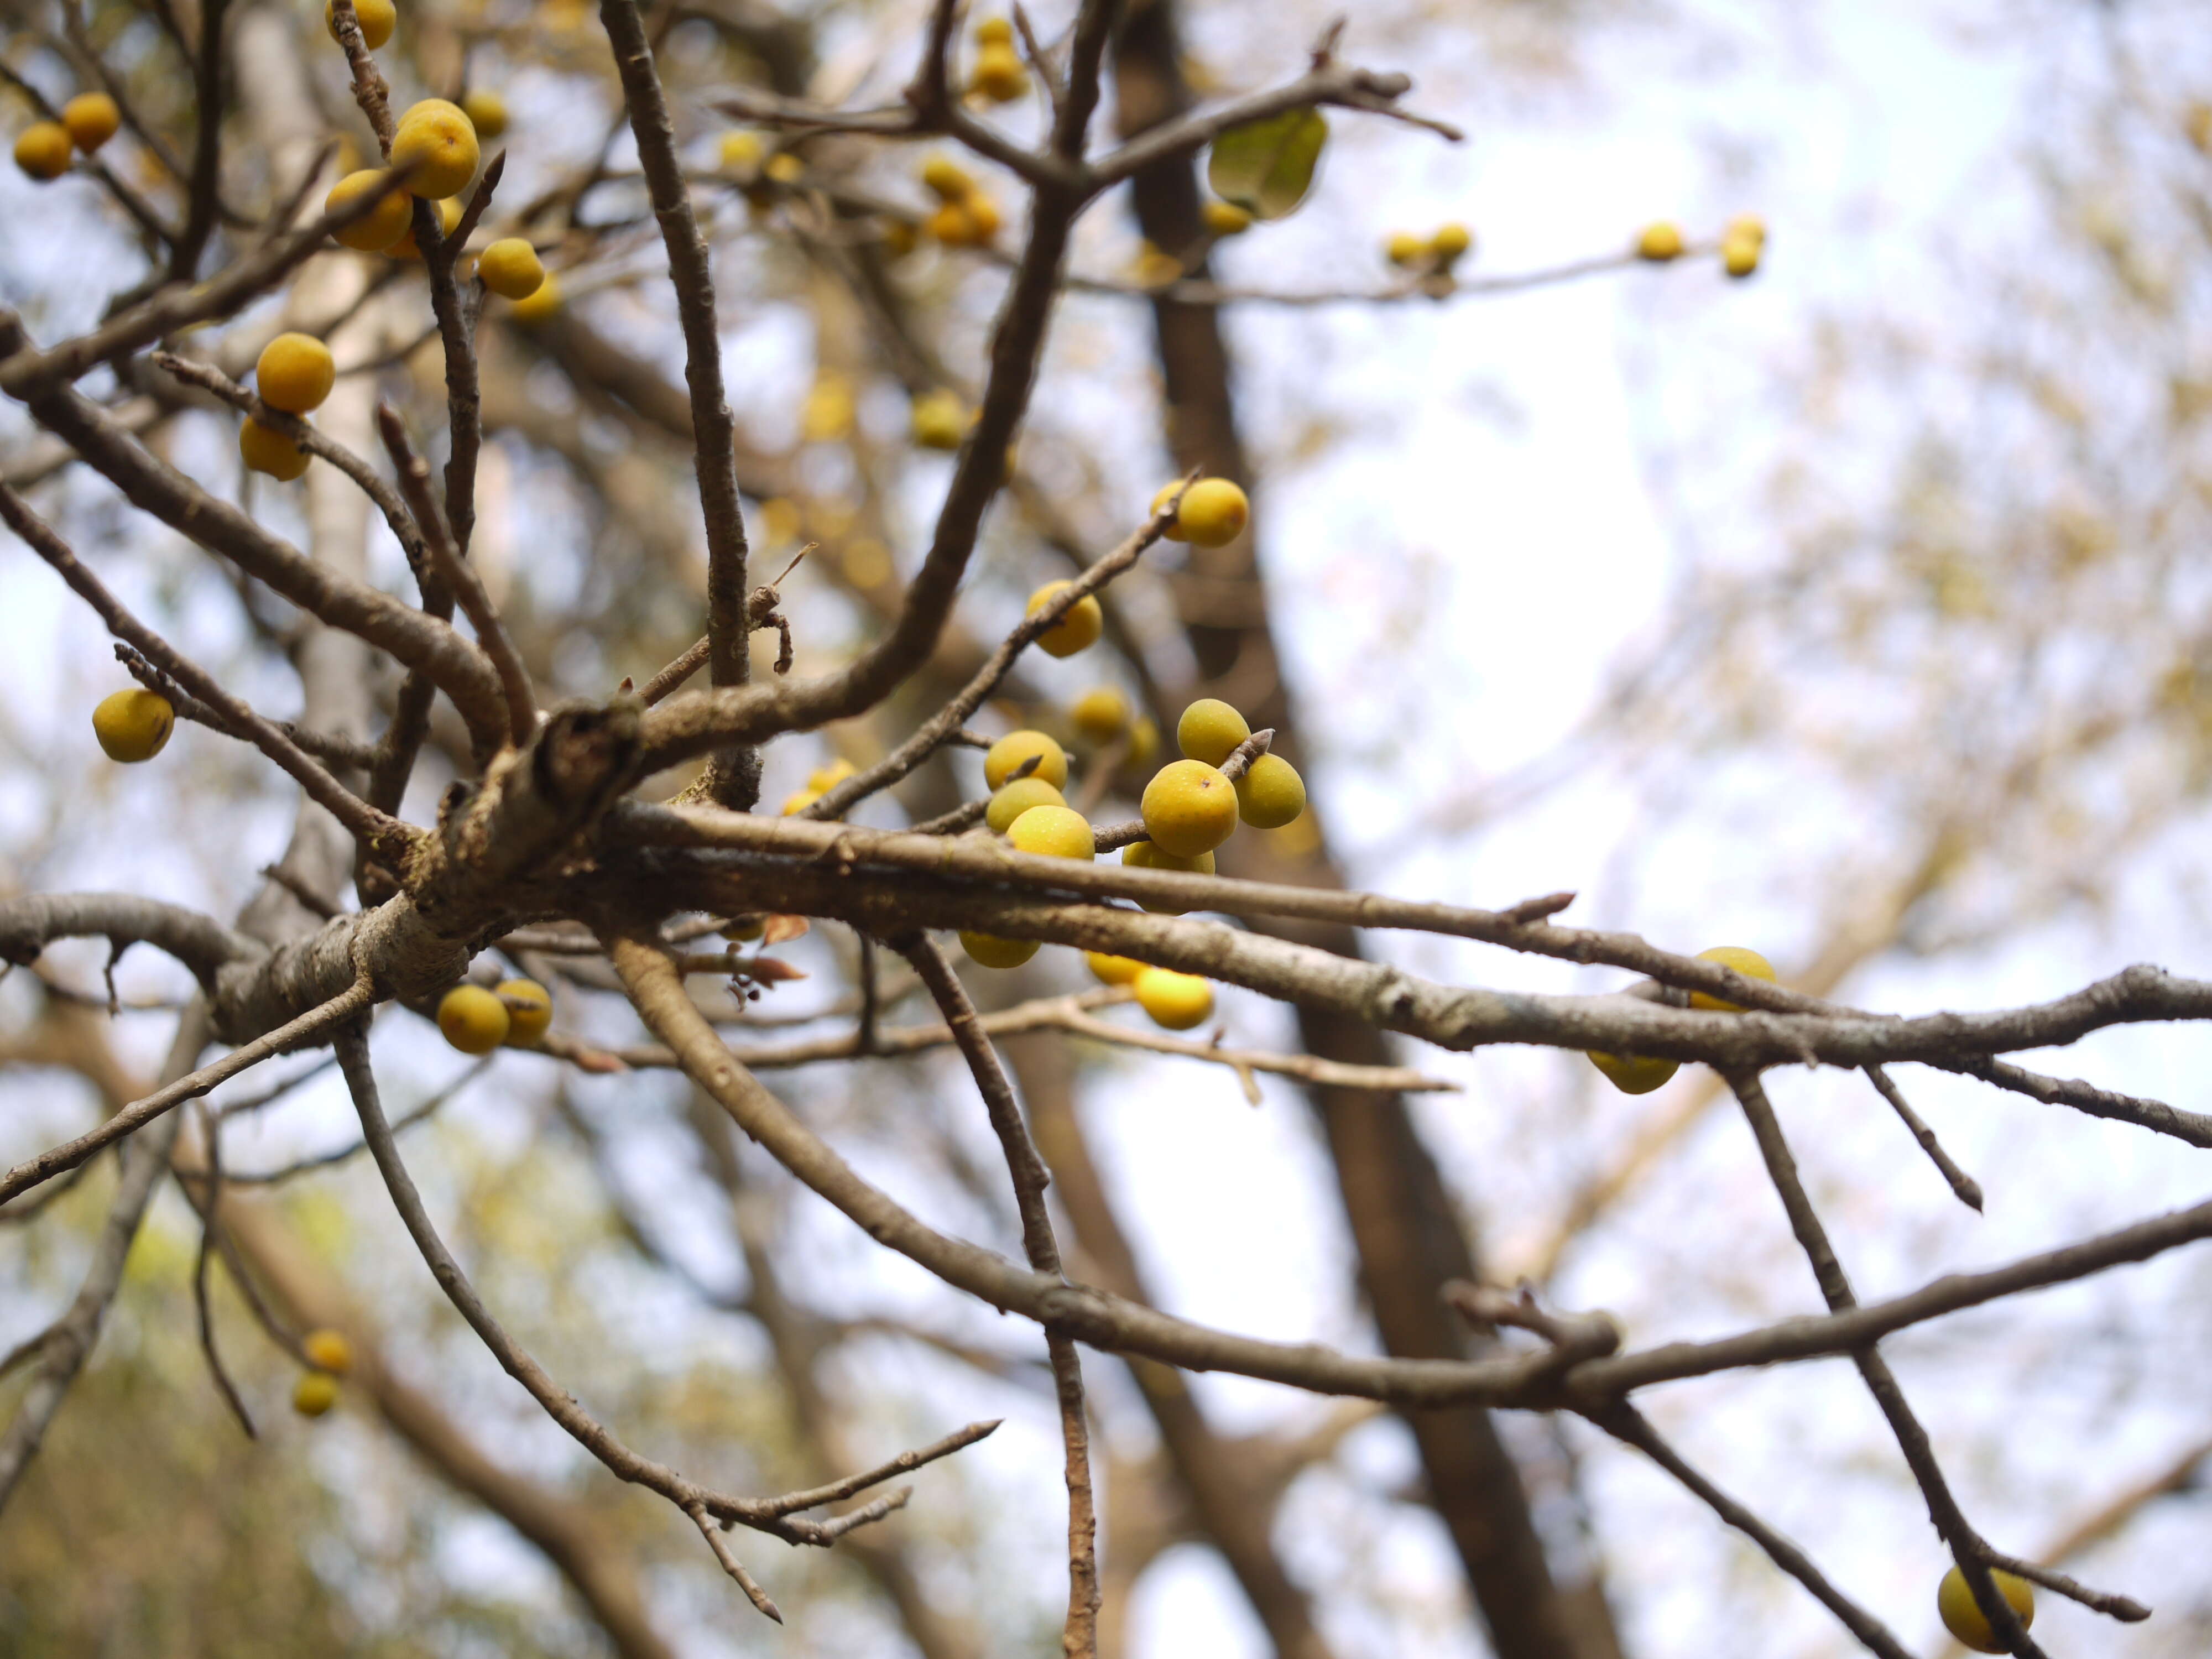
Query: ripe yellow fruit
43, 150
994, 32
295, 373
543, 305
1189, 808
1078, 630
784, 167
1100, 714
133, 725
91, 119
1018, 798
989, 950
529, 1010
940, 420
1001, 759
1451, 243
983, 218
1212, 513
1271, 794
1660, 242
1740, 254
740, 151
1000, 74
1178, 1001
436, 141
971, 221
269, 451
798, 800
1748, 962
1210, 730
392, 218
1053, 832
449, 218
314, 1394
328, 1351
1143, 855
486, 113
473, 1020
510, 270
1404, 248
1748, 226
1634, 1074
377, 18
1963, 1617
1225, 218
826, 778
1113, 970
947, 179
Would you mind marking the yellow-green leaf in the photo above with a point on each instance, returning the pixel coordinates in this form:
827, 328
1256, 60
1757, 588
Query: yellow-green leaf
1267, 167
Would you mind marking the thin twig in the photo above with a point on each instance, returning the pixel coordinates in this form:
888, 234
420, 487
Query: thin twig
314, 440
723, 1553
775, 1516
1968, 1190
1027, 1168
941, 726
211, 1136
70, 1153
670, 679
390, 837
1967, 1546
735, 777
1626, 1424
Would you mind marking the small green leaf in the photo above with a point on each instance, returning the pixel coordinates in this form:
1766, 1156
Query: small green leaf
1267, 167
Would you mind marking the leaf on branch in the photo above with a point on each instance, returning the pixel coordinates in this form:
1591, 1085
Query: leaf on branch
777, 929
770, 970
1267, 167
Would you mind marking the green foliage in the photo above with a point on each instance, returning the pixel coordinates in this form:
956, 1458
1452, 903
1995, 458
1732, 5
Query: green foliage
1267, 167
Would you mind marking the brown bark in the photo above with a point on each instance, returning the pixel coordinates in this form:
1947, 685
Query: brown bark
1403, 1223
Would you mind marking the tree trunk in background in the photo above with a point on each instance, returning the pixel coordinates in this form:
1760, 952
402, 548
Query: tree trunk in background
1402, 1220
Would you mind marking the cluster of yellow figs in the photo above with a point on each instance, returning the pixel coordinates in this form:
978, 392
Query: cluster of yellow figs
476, 1021
43, 149
819, 782
965, 216
438, 145
1189, 808
999, 74
330, 1357
295, 373
1638, 1074
1741, 244
1441, 251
